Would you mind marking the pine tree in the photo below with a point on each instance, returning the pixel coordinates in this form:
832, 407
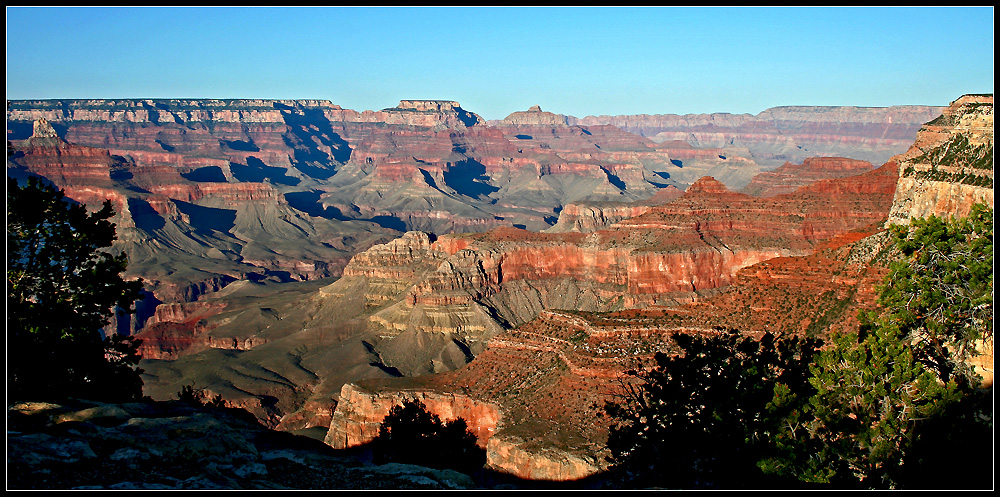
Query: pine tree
704, 417
62, 288
941, 293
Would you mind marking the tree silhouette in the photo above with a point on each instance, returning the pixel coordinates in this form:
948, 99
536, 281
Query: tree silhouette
412, 435
62, 289
703, 418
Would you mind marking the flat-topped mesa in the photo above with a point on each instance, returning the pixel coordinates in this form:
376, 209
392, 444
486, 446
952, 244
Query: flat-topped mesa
790, 133
950, 165
534, 116
428, 105
161, 110
425, 113
446, 113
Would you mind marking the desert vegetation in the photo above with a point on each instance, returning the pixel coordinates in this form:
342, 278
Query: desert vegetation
879, 408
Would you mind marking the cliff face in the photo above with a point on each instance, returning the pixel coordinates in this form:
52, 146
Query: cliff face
431, 304
547, 375
185, 232
788, 134
208, 192
234, 210
950, 165
683, 251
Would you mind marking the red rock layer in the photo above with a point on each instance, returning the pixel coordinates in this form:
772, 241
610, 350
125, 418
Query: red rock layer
550, 372
789, 177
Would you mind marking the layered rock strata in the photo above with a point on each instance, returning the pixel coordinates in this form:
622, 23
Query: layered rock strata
950, 165
691, 248
790, 177
217, 196
789, 133
424, 304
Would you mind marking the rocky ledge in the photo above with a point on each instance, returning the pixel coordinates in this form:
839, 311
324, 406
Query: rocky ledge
83, 445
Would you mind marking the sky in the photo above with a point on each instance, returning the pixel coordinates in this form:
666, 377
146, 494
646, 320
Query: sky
497, 60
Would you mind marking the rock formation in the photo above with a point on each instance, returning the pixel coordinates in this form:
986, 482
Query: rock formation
789, 177
702, 241
234, 211
787, 134
950, 166
534, 115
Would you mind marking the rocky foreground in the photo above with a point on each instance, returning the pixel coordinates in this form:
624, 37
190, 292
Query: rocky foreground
83, 445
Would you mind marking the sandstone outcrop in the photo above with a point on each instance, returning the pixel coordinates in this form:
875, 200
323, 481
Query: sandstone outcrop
950, 165
357, 423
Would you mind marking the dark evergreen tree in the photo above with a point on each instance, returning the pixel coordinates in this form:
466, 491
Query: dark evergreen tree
704, 417
895, 397
940, 294
62, 288
857, 426
412, 435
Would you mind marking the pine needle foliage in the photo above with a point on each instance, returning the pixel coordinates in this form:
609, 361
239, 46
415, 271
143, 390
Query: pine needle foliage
62, 288
702, 418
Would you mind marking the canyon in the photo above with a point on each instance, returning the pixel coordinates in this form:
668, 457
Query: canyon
549, 376
224, 184
317, 265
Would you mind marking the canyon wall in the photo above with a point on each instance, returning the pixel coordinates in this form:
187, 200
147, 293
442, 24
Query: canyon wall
236, 212
548, 368
789, 133
950, 165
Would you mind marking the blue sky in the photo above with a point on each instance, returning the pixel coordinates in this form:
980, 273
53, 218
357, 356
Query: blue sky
494, 61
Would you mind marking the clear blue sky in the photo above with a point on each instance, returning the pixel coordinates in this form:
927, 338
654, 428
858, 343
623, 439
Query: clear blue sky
494, 61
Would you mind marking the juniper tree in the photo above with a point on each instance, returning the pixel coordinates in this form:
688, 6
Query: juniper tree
940, 294
62, 288
702, 418
870, 394
410, 434
905, 377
